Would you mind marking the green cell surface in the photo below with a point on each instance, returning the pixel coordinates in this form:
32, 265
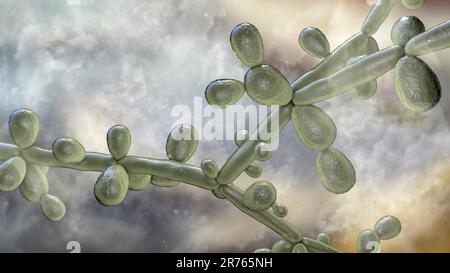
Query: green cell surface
365, 70
367, 241
266, 85
299, 248
23, 127
12, 173
324, 238
279, 210
119, 141
371, 46
282, 246
112, 186
260, 196
239, 161
266, 217
52, 207
68, 150
366, 90
263, 151
335, 61
181, 143
209, 168
388, 227
217, 193
44, 169
224, 92
241, 136
254, 170
163, 182
247, 44
434, 39
34, 185
315, 246
377, 16
263, 250
313, 127
138, 182
413, 4
417, 86
314, 42
405, 29
335, 171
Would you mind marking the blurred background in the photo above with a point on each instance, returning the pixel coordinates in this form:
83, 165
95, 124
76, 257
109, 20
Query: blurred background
85, 65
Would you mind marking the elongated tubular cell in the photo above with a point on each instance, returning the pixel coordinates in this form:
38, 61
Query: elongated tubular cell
354, 65
316, 246
334, 61
314, 42
97, 162
240, 160
377, 16
365, 70
235, 195
434, 39
169, 169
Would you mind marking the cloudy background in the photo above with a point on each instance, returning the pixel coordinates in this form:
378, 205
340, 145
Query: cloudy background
85, 65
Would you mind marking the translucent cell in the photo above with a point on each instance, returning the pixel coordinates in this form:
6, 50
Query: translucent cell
417, 86
405, 29
377, 16
209, 168
333, 62
112, 186
324, 238
34, 185
313, 126
371, 47
279, 210
224, 92
263, 250
260, 196
263, 151
364, 70
366, 90
413, 4
217, 193
266, 85
52, 207
245, 155
163, 182
247, 44
23, 127
119, 141
299, 248
314, 42
315, 246
336, 172
138, 182
367, 241
254, 170
282, 246
44, 169
12, 173
434, 39
181, 143
68, 150
388, 227
241, 136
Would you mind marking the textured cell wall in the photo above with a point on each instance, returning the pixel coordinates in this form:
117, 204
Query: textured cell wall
83, 68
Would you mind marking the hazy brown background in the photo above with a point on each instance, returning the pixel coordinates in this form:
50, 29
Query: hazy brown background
84, 68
